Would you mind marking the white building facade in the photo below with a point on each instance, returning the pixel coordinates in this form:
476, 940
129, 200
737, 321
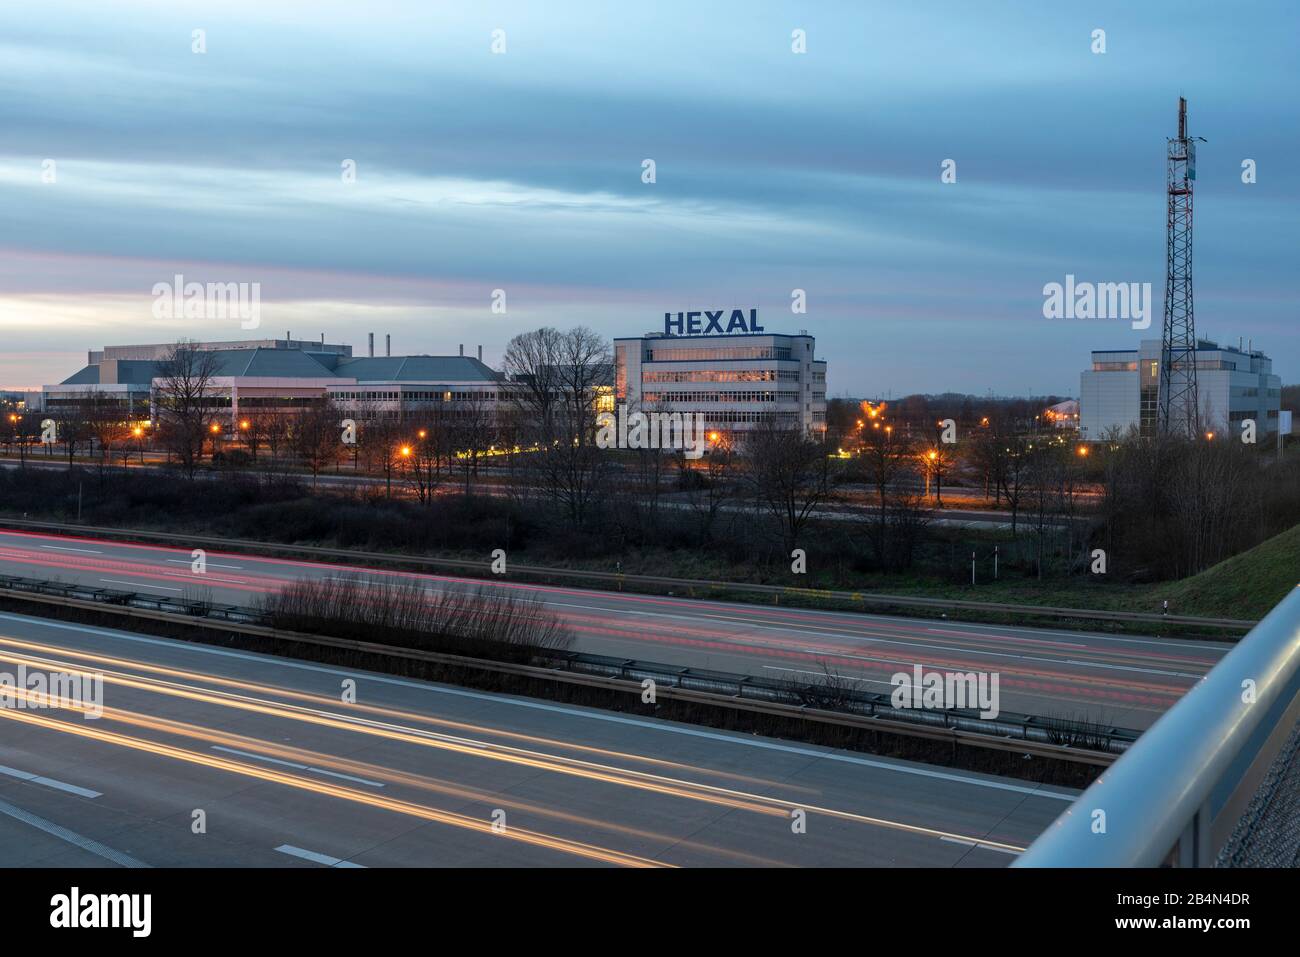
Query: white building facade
724, 365
1121, 390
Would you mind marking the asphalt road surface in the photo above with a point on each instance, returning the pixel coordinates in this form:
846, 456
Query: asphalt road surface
1122, 681
211, 757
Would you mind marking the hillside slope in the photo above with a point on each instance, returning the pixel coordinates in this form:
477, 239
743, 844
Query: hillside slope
1244, 586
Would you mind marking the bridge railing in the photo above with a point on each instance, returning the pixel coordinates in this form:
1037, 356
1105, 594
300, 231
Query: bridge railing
1177, 794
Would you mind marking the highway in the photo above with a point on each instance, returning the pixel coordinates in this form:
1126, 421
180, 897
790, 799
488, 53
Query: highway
212, 757
1123, 681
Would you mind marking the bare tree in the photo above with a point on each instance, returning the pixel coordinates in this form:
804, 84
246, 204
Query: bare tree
317, 437
532, 366
885, 457
473, 429
72, 426
382, 440
185, 403
106, 423
788, 475
557, 379
428, 451
709, 482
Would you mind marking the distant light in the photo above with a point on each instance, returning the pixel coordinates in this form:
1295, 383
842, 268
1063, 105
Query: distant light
406, 450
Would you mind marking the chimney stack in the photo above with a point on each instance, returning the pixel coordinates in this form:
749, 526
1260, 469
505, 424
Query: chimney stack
462, 348
372, 345
388, 343
480, 353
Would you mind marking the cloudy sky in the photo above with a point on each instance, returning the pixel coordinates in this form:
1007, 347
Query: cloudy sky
522, 171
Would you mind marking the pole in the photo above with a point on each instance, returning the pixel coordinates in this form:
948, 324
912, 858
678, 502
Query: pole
79, 484
995, 561
972, 568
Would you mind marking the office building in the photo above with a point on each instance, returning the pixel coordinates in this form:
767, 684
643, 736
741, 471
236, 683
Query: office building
1121, 390
731, 371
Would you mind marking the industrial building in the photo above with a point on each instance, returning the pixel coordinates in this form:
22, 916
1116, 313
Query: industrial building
734, 380
284, 375
1121, 390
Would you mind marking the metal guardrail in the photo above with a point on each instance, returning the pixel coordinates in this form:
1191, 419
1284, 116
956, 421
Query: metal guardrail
1054, 737
1177, 794
192, 607
843, 696
689, 585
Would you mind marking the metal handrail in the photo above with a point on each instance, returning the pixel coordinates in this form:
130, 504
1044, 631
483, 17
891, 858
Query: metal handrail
1177, 794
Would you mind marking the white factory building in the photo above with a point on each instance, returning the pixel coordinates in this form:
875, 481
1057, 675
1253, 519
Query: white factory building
724, 365
1121, 390
275, 376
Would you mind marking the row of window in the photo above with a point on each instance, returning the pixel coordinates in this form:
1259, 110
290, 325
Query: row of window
745, 396
723, 418
734, 375
732, 352
418, 396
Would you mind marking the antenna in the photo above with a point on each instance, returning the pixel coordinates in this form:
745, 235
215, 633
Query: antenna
1178, 411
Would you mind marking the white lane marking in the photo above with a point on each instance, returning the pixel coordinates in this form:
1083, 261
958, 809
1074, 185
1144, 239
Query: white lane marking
1145, 671
60, 548
118, 581
354, 581
591, 715
917, 643
296, 766
72, 837
986, 847
203, 579
317, 858
856, 619
181, 561
48, 782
